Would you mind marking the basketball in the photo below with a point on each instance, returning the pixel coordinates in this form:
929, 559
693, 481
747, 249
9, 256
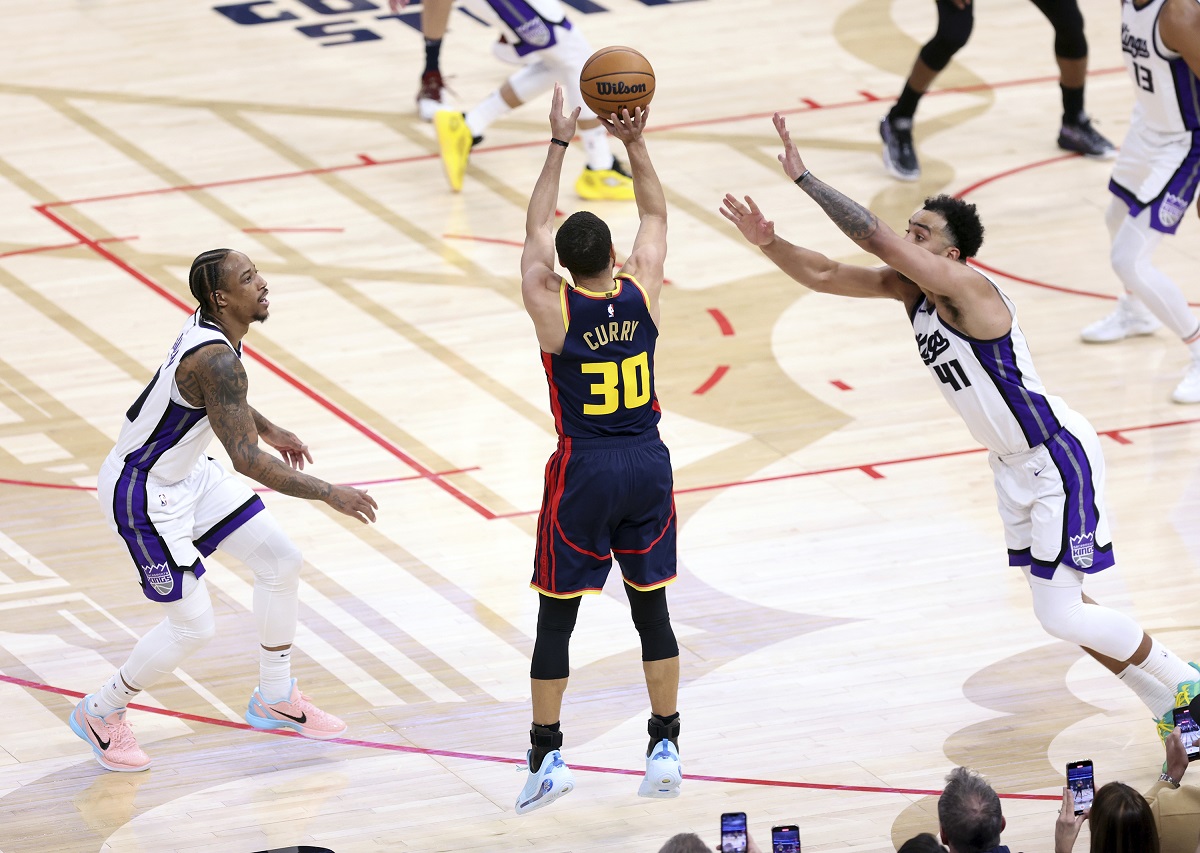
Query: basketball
616, 78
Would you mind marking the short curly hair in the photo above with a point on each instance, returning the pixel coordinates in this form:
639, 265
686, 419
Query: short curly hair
962, 223
584, 244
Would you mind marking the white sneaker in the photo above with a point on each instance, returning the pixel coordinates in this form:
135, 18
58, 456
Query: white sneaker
1188, 389
551, 781
664, 774
1127, 321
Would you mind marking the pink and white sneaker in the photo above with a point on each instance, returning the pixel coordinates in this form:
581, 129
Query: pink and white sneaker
110, 738
297, 712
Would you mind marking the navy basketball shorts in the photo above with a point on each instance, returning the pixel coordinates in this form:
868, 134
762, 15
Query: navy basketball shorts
603, 497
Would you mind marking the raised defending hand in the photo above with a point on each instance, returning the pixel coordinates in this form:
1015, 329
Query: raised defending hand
1066, 826
626, 127
749, 220
793, 166
292, 449
561, 126
353, 502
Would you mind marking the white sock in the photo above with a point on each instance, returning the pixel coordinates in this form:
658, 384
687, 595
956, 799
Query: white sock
1194, 347
1163, 665
274, 675
482, 116
1153, 693
595, 145
115, 695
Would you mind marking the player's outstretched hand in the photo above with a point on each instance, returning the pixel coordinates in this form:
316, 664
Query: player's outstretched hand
626, 127
749, 220
353, 502
290, 447
561, 126
1067, 824
793, 166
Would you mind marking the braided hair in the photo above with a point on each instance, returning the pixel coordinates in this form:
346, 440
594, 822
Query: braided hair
204, 279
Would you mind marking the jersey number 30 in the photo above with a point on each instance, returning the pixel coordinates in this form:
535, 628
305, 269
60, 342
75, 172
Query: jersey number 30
629, 379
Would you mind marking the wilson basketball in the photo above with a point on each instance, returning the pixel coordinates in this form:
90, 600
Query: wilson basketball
616, 78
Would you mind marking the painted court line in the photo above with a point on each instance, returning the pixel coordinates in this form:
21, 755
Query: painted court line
499, 759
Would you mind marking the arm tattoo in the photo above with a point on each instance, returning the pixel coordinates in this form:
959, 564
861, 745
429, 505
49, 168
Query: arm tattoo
856, 221
222, 381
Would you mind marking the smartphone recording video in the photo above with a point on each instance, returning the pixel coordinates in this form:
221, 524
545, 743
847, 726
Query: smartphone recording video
734, 838
785, 839
1081, 782
1189, 732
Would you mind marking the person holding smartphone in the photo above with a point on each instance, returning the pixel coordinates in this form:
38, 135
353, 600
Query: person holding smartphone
1165, 819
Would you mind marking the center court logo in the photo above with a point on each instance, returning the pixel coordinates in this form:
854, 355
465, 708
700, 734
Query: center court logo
1083, 549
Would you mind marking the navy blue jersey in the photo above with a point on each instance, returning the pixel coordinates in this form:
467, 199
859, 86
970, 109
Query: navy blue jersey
602, 384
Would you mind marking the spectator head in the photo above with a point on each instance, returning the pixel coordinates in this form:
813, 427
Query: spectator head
969, 813
926, 842
685, 842
1122, 822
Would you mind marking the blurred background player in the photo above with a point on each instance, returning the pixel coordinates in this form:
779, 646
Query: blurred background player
431, 97
538, 36
1154, 179
955, 20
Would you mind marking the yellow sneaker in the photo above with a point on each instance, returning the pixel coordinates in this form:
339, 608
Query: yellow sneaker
605, 184
454, 138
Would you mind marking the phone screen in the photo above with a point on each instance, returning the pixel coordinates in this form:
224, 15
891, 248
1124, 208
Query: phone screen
1189, 732
733, 832
785, 839
1081, 782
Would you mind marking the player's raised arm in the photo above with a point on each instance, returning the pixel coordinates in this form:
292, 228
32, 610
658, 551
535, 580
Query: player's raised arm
812, 269
645, 261
538, 254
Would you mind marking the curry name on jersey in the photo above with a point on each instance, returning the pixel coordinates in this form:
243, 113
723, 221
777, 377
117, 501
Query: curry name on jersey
602, 384
991, 384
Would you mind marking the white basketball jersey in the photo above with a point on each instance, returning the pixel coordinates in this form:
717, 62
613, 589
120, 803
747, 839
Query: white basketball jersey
1168, 93
991, 384
521, 21
163, 435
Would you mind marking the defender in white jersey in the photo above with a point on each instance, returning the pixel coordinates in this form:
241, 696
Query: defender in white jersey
538, 36
172, 505
1156, 175
1047, 464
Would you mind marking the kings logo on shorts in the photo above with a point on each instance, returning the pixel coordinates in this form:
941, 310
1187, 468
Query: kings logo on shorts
1083, 549
1172, 209
159, 576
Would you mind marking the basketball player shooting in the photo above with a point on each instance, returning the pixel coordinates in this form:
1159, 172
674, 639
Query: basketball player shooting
1046, 460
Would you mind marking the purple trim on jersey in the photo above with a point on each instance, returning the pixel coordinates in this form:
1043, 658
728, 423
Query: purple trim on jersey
1187, 91
1032, 410
1081, 515
536, 33
1019, 557
215, 535
175, 423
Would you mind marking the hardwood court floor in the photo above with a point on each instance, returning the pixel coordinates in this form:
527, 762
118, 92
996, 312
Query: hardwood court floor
850, 630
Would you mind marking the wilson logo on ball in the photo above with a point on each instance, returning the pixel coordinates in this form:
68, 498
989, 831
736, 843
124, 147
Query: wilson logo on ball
619, 88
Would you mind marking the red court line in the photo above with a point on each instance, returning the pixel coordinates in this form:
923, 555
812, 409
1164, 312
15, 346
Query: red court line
722, 321
717, 375
33, 484
839, 384
500, 759
36, 249
311, 393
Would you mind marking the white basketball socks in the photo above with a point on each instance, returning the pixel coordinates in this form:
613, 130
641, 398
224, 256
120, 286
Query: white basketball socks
595, 144
1163, 665
274, 674
113, 696
1154, 694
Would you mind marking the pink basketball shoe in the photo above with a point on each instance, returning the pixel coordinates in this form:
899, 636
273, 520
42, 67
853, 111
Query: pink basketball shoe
110, 738
297, 712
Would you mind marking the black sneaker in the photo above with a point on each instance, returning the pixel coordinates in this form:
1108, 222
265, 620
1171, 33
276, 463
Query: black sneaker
899, 156
1082, 138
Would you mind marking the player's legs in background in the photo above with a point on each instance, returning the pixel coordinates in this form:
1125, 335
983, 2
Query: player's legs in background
431, 97
1071, 52
955, 20
1131, 316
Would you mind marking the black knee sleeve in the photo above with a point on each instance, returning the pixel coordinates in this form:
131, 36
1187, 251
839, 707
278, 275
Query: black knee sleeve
1067, 20
954, 28
653, 623
556, 621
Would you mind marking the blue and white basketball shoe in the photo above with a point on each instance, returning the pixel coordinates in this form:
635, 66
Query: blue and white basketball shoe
551, 781
664, 774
